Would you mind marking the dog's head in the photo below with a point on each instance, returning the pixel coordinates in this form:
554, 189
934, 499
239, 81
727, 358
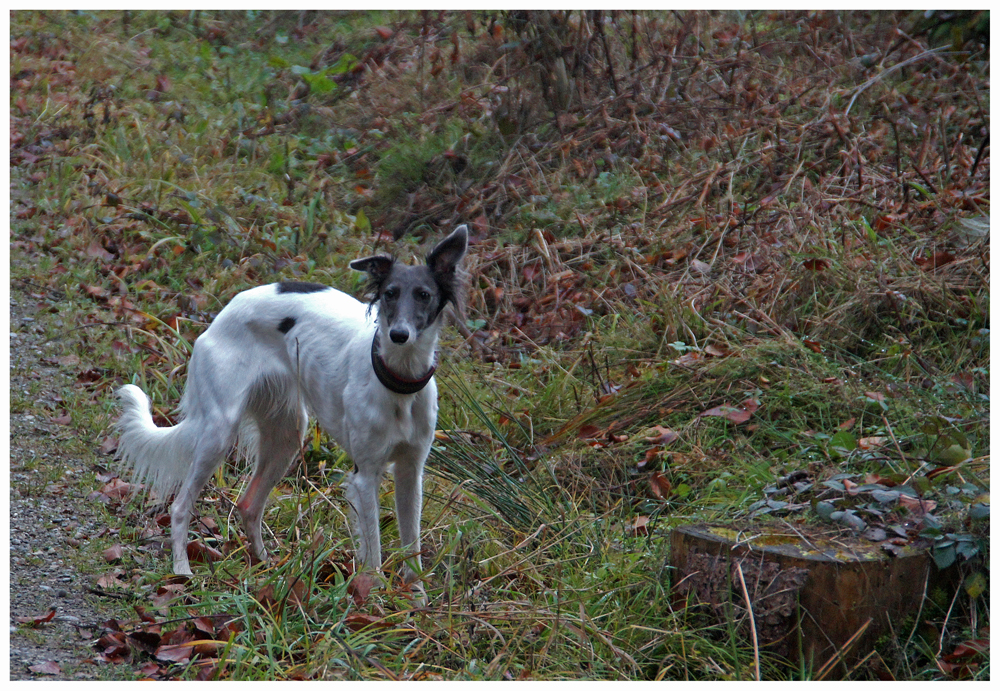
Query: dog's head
411, 298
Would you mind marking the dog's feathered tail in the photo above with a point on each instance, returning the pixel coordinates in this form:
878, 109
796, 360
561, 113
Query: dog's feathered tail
160, 456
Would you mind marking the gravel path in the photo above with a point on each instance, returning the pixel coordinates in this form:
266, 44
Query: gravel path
51, 519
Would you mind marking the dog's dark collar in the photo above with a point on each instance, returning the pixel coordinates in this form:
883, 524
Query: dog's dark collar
393, 381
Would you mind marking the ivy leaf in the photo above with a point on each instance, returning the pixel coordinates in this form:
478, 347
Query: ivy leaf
944, 557
979, 512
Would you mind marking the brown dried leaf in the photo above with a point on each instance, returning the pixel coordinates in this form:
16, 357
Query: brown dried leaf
737, 415
113, 553
166, 593
938, 259
360, 586
97, 252
869, 443
96, 292
358, 620
49, 667
640, 526
660, 486
661, 435
111, 579
108, 446
63, 419
917, 507
175, 653
37, 621
202, 553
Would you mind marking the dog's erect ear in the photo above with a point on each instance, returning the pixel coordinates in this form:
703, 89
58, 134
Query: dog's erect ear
446, 255
378, 267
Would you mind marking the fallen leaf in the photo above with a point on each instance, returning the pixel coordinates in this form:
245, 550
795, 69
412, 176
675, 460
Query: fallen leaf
717, 350
97, 252
166, 593
815, 264
109, 446
938, 259
640, 525
358, 620
112, 579
868, 443
63, 419
661, 435
37, 621
650, 456
96, 292
916, 505
964, 379
181, 652
360, 586
199, 552
659, 485
46, 668
980, 646
700, 267
736, 415
113, 554
688, 358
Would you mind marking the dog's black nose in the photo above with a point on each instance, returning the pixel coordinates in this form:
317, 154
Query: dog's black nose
399, 336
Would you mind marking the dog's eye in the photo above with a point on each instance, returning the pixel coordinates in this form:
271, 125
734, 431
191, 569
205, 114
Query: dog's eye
391, 293
423, 295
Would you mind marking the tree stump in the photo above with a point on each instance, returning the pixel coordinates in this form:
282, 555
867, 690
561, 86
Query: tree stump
818, 598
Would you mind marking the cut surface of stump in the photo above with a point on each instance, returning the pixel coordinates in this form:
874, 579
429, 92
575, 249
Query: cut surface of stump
818, 597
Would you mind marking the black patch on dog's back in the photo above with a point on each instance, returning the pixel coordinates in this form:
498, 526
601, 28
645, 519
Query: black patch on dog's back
300, 287
286, 324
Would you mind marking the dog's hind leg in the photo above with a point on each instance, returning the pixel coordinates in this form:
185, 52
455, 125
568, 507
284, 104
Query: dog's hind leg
209, 452
280, 440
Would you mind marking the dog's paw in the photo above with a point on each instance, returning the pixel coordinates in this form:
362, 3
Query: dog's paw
415, 593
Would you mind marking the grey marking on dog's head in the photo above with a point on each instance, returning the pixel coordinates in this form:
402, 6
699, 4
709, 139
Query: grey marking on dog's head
411, 298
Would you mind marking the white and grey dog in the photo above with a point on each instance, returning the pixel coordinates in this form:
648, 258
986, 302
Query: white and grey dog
279, 352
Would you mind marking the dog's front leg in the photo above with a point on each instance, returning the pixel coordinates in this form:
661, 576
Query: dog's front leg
362, 498
409, 496
408, 475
